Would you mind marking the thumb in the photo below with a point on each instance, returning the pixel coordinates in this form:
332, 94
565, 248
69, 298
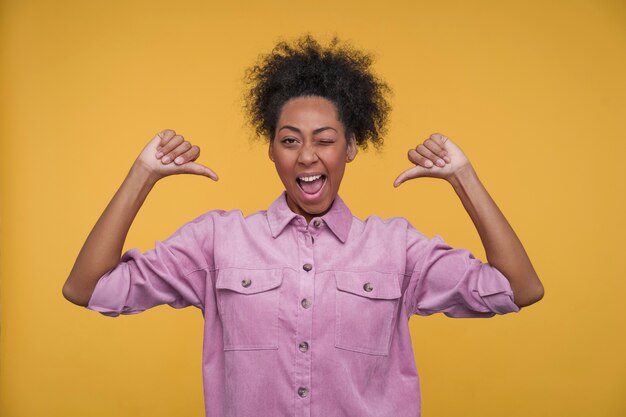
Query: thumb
198, 169
415, 172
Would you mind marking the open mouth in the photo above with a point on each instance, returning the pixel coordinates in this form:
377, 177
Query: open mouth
311, 185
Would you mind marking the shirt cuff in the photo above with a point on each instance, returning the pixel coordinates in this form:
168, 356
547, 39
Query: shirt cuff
495, 290
111, 291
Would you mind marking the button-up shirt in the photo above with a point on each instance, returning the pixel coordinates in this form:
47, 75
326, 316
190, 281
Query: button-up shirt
305, 319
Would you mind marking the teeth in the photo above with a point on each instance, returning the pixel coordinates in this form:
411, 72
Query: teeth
309, 179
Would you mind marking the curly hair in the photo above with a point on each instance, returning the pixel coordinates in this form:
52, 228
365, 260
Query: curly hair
337, 72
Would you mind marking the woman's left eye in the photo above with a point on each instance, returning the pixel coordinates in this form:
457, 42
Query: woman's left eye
327, 142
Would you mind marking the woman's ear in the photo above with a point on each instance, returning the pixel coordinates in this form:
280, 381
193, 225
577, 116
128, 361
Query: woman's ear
352, 149
270, 150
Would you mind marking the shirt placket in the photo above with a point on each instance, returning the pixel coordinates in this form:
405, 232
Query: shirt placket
303, 366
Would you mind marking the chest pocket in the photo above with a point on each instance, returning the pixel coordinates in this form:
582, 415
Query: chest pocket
365, 307
248, 303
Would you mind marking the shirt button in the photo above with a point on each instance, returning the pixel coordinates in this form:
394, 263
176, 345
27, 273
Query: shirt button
317, 222
246, 282
307, 267
304, 346
303, 392
306, 303
368, 287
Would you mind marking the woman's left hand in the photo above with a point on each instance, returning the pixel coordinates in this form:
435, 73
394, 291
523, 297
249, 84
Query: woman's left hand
437, 157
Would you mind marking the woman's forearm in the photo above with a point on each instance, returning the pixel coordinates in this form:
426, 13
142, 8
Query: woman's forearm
502, 246
103, 248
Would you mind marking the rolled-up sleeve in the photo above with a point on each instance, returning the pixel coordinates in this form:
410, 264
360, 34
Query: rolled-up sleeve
174, 273
452, 281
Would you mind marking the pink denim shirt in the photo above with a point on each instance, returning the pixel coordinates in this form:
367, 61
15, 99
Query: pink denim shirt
305, 320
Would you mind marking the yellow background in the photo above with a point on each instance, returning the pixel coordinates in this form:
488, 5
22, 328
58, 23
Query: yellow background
533, 92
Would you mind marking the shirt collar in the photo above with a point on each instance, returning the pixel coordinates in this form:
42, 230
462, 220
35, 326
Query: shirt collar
338, 218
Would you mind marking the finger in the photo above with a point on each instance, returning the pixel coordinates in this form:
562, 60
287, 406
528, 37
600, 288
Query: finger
199, 169
440, 139
176, 152
419, 159
189, 155
165, 136
435, 148
170, 146
197, 154
427, 153
415, 172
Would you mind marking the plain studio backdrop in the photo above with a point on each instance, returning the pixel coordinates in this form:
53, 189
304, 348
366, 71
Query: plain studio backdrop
533, 92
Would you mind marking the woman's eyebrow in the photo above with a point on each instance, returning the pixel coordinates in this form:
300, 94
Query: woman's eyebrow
316, 131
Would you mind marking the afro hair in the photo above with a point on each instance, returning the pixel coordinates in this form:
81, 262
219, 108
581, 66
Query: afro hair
338, 72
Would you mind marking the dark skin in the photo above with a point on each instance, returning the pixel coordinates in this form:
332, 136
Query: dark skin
437, 157
310, 140
315, 143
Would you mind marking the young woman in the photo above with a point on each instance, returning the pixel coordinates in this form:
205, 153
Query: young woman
306, 306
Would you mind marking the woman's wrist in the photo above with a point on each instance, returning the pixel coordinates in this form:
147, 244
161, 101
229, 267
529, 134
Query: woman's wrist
141, 173
462, 177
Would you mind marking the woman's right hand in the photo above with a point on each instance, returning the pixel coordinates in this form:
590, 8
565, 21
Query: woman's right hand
160, 157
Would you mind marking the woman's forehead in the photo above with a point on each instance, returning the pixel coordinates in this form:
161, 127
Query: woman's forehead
309, 111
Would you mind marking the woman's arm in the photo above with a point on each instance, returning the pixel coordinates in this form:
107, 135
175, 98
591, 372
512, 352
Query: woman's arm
502, 246
103, 248
439, 157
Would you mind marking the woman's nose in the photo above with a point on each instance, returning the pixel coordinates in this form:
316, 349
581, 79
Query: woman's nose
307, 155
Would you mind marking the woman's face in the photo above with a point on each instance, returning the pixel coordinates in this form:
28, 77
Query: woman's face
310, 151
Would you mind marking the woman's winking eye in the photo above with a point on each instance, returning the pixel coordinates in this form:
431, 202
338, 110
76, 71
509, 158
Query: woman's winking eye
291, 141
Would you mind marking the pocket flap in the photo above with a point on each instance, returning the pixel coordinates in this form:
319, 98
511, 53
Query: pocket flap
381, 285
248, 281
